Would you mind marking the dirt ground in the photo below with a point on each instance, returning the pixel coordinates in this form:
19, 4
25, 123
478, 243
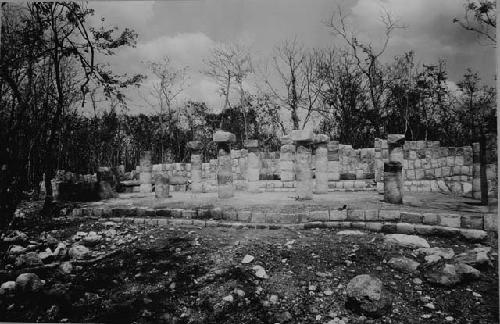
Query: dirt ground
147, 274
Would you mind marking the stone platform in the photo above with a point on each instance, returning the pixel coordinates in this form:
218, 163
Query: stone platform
419, 212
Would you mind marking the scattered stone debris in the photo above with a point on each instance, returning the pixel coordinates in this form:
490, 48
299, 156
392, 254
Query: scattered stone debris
404, 264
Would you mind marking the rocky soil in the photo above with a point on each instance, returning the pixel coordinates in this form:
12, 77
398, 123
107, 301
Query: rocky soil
91, 270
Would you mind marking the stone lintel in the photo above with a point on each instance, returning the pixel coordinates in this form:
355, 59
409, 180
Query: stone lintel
396, 140
320, 139
251, 144
302, 135
221, 136
194, 145
286, 140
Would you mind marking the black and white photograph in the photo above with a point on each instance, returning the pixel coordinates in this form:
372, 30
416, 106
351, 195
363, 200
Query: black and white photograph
249, 161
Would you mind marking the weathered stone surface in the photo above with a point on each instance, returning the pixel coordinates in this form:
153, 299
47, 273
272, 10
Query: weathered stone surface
448, 275
78, 251
28, 282
302, 135
223, 136
321, 169
30, 259
195, 145
320, 138
162, 185
286, 140
476, 257
404, 264
8, 287
474, 235
445, 253
225, 185
303, 173
91, 239
410, 241
393, 183
251, 144
350, 232
366, 295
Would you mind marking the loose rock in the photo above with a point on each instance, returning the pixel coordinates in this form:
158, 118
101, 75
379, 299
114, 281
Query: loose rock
29, 282
404, 264
367, 295
260, 272
410, 241
247, 259
79, 252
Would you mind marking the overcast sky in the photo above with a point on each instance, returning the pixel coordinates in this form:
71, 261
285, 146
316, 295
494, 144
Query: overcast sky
186, 30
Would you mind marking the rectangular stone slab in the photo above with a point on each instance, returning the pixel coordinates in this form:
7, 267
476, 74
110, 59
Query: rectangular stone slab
302, 135
222, 136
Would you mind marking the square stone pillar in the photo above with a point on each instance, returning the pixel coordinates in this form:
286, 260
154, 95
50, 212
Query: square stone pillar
162, 186
146, 173
321, 163
225, 185
395, 143
287, 161
303, 165
393, 170
253, 165
333, 161
196, 166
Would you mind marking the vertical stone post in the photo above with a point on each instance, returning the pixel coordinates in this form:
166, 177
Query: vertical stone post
196, 166
333, 161
303, 165
225, 186
393, 182
476, 172
395, 143
146, 173
393, 170
253, 165
162, 186
287, 161
321, 163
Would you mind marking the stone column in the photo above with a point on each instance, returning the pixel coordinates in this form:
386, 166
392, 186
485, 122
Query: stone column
393, 170
303, 165
196, 166
225, 186
333, 161
476, 172
393, 182
146, 173
162, 186
253, 165
321, 163
287, 161
395, 143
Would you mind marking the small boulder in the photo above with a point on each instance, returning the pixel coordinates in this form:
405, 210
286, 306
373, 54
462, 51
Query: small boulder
29, 282
443, 274
445, 253
66, 267
92, 239
260, 272
247, 259
8, 287
46, 256
17, 249
30, 259
409, 241
60, 251
79, 252
404, 264
474, 235
16, 237
366, 295
476, 257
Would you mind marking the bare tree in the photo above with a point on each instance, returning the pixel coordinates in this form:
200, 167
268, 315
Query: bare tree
297, 89
229, 65
169, 84
367, 58
480, 17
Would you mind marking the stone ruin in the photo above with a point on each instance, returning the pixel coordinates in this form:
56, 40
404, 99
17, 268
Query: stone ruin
306, 164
